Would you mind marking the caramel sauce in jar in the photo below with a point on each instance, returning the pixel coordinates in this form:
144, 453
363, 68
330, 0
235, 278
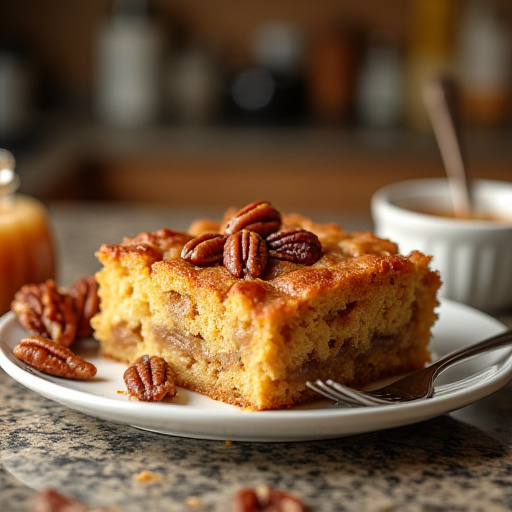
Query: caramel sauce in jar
27, 253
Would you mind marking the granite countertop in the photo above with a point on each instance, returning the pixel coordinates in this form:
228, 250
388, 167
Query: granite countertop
457, 462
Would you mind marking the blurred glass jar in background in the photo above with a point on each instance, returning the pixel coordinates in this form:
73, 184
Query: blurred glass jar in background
379, 91
128, 55
16, 90
430, 53
333, 62
484, 59
27, 252
193, 86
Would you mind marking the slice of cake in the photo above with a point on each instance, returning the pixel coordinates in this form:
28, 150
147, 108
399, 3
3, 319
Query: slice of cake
249, 309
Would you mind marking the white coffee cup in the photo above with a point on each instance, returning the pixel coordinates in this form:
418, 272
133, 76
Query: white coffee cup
473, 256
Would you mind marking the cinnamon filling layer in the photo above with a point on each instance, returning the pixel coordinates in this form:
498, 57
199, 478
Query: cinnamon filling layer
193, 347
364, 366
360, 366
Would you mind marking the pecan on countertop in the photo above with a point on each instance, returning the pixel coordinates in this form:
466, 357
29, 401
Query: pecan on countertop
265, 499
50, 500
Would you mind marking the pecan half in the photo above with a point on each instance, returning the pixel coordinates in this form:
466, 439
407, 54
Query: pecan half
260, 217
263, 499
296, 245
204, 250
84, 292
44, 310
50, 500
245, 254
163, 239
49, 357
150, 379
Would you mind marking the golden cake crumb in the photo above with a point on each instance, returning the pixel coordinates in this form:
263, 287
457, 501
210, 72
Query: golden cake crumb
193, 502
147, 476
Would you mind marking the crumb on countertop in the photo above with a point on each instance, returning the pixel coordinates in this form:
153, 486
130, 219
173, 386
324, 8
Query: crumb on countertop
147, 476
193, 502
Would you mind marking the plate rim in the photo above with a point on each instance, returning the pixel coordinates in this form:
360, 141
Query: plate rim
248, 424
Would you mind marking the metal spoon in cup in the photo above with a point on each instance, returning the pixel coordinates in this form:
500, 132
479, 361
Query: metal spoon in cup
441, 100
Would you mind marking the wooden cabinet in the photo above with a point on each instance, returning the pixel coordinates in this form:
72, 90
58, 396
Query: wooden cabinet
297, 169
291, 183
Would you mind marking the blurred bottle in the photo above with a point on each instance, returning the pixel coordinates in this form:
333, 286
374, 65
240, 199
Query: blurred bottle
431, 53
16, 93
193, 86
26, 244
484, 58
379, 91
270, 87
129, 67
332, 70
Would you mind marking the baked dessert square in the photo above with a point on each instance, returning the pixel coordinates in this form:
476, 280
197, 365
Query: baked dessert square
248, 309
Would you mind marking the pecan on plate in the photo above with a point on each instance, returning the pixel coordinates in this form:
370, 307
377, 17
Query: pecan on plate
150, 379
84, 292
296, 245
263, 499
260, 217
245, 254
43, 309
49, 357
204, 250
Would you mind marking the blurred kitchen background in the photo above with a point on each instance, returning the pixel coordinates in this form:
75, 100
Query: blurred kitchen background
310, 104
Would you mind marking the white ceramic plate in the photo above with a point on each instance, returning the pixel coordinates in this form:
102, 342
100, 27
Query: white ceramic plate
192, 415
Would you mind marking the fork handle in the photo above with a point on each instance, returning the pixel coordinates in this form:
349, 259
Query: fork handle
488, 345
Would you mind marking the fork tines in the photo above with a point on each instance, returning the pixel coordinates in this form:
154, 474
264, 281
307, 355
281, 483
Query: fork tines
326, 389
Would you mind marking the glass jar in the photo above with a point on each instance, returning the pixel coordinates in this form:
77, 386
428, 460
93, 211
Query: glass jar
27, 253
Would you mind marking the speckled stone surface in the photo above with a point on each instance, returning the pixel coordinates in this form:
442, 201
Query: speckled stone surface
457, 462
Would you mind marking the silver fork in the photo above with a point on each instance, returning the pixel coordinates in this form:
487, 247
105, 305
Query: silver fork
417, 386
